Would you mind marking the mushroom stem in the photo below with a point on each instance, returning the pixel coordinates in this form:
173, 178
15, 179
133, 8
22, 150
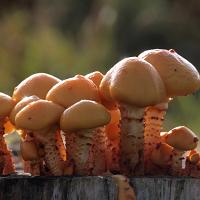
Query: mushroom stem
60, 145
87, 149
32, 167
178, 162
154, 117
8, 163
132, 139
52, 156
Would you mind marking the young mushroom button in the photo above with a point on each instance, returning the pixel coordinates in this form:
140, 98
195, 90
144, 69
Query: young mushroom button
84, 120
6, 105
41, 117
180, 78
134, 84
181, 139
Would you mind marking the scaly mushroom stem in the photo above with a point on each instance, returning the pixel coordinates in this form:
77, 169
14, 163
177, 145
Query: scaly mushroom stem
52, 156
60, 145
154, 117
87, 149
132, 140
178, 162
112, 155
8, 163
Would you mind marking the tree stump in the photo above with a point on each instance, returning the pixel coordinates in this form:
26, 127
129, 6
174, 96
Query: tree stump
96, 188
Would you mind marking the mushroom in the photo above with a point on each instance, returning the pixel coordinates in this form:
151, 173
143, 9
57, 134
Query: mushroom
29, 153
95, 77
6, 105
182, 139
40, 118
180, 78
72, 90
82, 124
38, 85
125, 191
134, 84
161, 157
30, 166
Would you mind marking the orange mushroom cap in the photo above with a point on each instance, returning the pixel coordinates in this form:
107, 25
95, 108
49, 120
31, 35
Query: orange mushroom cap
179, 75
72, 90
20, 105
6, 105
38, 115
84, 114
182, 138
136, 82
95, 77
37, 84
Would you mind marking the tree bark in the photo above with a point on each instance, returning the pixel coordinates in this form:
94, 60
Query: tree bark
96, 188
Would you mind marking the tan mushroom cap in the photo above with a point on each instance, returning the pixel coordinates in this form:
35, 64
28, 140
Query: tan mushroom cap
182, 138
72, 90
6, 105
104, 90
95, 77
136, 82
37, 84
29, 150
20, 105
84, 114
38, 115
179, 75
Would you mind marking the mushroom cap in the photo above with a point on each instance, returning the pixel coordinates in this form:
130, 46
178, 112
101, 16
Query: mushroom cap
72, 90
6, 104
104, 91
84, 114
161, 155
95, 77
38, 115
20, 105
29, 150
37, 84
136, 82
182, 138
179, 75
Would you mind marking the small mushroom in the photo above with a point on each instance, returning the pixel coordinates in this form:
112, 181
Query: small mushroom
6, 105
134, 84
85, 140
125, 191
40, 118
180, 78
95, 77
37, 84
161, 156
182, 139
29, 153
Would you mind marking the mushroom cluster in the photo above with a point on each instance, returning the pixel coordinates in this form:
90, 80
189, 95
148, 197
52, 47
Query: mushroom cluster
98, 124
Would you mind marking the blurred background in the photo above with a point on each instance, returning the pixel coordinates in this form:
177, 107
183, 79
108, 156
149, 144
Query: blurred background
66, 37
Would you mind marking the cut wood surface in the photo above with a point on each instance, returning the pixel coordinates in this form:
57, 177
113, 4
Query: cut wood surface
96, 188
